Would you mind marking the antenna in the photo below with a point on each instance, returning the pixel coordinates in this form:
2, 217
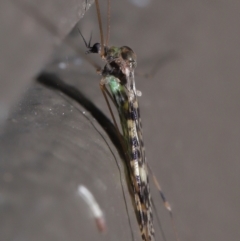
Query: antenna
100, 27
108, 21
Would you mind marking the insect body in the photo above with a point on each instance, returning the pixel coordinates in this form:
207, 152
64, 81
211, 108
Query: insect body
119, 84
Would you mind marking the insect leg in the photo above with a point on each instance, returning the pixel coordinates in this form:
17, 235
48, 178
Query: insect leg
107, 94
165, 202
104, 91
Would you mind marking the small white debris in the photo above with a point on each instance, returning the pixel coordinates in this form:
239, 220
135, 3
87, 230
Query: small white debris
139, 93
88, 197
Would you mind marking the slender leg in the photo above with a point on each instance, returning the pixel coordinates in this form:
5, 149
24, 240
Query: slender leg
106, 94
165, 202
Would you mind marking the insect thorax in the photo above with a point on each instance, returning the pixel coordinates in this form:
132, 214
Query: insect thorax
122, 58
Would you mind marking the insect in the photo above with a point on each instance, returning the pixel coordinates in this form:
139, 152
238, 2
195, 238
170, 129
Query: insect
118, 84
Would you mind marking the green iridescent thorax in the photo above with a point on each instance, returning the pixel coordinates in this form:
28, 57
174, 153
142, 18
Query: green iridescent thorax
120, 98
113, 84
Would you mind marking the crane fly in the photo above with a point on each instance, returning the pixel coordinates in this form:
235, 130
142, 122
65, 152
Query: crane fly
118, 85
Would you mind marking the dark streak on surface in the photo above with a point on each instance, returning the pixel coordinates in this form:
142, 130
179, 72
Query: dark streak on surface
53, 81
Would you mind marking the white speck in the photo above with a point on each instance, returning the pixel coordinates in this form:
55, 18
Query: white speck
62, 113
35, 113
87, 196
139, 93
50, 109
62, 65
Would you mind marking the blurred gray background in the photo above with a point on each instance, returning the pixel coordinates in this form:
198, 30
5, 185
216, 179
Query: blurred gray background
55, 139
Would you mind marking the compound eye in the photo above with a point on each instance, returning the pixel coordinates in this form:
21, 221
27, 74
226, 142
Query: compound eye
128, 54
